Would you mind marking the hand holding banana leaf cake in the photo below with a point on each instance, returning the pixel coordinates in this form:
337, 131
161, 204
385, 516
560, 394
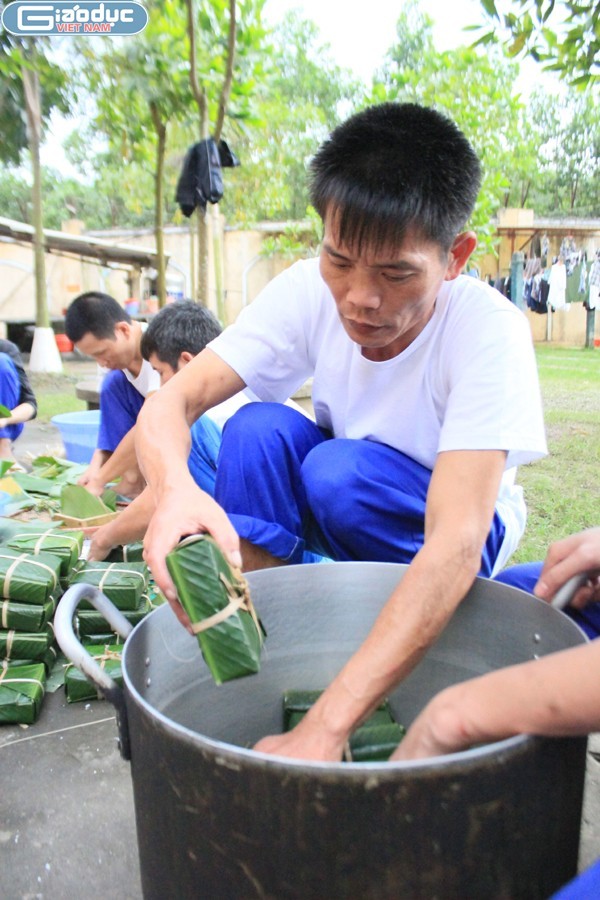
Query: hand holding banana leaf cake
217, 600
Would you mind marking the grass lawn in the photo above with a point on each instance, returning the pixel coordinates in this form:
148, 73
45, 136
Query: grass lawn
562, 491
55, 394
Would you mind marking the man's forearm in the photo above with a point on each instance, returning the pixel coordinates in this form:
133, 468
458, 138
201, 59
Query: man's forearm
122, 459
130, 525
413, 617
162, 432
21, 413
556, 696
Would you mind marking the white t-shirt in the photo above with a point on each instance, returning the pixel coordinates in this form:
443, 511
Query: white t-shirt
467, 382
146, 381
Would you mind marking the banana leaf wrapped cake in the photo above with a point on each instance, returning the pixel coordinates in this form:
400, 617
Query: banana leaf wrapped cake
217, 600
373, 741
29, 645
90, 622
78, 687
25, 616
67, 546
21, 693
123, 583
133, 552
28, 578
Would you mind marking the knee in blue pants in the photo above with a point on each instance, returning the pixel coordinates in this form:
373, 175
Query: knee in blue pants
289, 487
258, 476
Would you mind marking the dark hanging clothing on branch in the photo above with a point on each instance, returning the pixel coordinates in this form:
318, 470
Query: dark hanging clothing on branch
201, 180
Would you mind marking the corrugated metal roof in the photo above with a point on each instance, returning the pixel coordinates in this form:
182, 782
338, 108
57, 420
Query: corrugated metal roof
62, 242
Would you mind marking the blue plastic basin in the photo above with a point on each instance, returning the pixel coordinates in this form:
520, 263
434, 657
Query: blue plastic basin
79, 433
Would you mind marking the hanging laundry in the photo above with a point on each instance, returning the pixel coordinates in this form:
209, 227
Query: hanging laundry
557, 296
201, 180
593, 300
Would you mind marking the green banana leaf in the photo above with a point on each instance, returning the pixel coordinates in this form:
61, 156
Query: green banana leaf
133, 552
28, 578
21, 693
374, 741
25, 616
78, 503
123, 583
67, 546
5, 465
48, 660
90, 622
32, 484
107, 637
63, 471
296, 704
30, 645
78, 687
206, 584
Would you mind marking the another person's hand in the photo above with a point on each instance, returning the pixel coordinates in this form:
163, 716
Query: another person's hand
436, 730
570, 556
184, 511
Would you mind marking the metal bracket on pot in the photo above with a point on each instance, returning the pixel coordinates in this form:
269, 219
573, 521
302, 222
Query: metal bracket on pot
74, 651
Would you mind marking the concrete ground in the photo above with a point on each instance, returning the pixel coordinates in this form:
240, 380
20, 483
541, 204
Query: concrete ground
67, 823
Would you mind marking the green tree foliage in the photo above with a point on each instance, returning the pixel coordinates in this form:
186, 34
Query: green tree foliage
564, 36
298, 101
567, 179
139, 88
474, 89
33, 85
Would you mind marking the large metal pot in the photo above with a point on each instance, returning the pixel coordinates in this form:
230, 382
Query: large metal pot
218, 820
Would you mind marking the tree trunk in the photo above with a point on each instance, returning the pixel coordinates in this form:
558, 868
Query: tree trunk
44, 355
161, 136
31, 87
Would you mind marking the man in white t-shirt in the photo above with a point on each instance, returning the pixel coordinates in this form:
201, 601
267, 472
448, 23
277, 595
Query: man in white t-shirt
425, 393
99, 327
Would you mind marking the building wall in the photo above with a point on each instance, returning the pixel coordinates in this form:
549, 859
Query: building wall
245, 272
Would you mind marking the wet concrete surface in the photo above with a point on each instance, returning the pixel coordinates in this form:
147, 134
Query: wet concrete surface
67, 821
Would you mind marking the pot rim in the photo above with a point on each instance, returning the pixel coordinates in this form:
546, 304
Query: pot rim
233, 755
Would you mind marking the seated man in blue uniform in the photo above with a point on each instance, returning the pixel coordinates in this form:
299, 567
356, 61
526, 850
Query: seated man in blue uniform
99, 327
421, 417
17, 396
174, 336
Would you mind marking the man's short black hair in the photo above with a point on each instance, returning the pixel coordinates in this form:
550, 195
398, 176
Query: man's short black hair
395, 167
180, 327
94, 313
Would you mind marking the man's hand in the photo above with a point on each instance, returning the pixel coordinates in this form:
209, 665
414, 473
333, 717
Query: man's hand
101, 544
93, 485
305, 741
183, 511
574, 555
436, 730
99, 457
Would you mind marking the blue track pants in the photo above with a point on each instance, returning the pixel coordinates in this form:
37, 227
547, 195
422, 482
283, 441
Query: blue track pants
289, 487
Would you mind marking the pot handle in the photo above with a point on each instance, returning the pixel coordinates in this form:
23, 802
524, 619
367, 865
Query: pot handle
73, 649
566, 593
